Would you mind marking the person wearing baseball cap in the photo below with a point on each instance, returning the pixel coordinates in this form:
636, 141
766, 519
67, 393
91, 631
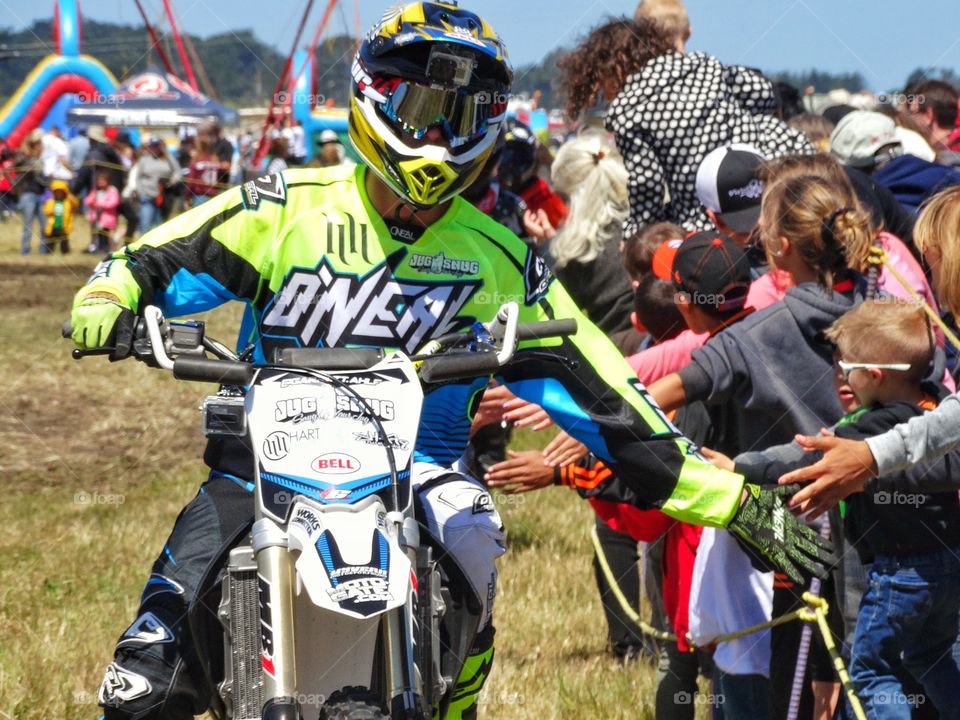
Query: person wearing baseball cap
711, 275
868, 141
730, 189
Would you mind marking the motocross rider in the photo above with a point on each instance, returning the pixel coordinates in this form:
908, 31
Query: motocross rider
386, 254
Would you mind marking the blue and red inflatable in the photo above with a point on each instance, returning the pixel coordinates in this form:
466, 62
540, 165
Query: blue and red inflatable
42, 99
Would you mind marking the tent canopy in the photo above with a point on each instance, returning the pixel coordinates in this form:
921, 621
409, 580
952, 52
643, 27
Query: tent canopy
153, 98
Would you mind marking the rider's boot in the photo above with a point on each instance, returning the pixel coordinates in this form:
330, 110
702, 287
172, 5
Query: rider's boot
476, 670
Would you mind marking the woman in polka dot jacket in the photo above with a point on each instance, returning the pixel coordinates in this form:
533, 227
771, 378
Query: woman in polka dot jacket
668, 109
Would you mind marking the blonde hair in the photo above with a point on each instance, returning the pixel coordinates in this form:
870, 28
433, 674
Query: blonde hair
589, 170
938, 228
671, 15
886, 331
821, 217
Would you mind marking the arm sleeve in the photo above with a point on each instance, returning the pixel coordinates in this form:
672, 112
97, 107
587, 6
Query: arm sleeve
715, 372
197, 261
935, 477
589, 390
921, 439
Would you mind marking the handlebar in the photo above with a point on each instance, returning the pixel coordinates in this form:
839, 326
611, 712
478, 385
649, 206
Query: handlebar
443, 367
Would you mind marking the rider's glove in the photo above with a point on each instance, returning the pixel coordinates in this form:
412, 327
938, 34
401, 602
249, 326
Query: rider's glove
102, 321
775, 539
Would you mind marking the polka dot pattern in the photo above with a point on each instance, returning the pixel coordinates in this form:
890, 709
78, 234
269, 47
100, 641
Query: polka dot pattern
672, 113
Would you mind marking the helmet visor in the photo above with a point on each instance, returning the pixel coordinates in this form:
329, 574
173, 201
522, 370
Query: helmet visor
462, 116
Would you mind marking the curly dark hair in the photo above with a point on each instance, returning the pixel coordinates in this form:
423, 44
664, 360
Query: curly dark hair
614, 50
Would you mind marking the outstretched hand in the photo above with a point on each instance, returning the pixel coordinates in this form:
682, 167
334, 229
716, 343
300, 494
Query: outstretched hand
526, 414
844, 469
563, 450
522, 472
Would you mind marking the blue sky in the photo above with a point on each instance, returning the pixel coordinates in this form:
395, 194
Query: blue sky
883, 40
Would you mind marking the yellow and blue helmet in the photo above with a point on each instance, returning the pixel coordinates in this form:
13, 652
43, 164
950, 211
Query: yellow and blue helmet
429, 65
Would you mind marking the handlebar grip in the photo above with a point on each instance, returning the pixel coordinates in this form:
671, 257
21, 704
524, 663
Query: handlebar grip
203, 369
460, 365
546, 329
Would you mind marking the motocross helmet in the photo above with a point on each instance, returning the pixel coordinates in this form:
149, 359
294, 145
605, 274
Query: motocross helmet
426, 65
519, 162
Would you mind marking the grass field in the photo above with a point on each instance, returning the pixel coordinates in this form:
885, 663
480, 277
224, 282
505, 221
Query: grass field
98, 458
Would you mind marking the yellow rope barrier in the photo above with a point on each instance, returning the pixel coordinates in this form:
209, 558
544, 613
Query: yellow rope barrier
815, 611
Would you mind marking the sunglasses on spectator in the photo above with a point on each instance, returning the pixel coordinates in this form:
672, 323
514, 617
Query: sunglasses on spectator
848, 367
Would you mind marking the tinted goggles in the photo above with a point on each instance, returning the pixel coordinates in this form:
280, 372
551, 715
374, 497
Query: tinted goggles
461, 115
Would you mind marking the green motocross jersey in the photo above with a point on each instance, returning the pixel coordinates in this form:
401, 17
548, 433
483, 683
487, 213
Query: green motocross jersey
318, 267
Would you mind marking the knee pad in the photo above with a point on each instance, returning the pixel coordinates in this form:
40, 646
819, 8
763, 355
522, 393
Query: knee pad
459, 514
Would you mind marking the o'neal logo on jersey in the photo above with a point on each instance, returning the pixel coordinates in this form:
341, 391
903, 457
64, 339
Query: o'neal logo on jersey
323, 307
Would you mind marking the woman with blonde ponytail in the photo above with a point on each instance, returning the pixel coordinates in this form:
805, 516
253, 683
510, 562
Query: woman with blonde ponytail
584, 253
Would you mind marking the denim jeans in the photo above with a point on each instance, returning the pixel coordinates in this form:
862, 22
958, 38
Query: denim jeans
740, 697
150, 216
29, 207
909, 616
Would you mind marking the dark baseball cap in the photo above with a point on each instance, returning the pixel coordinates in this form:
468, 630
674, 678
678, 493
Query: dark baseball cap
728, 182
713, 271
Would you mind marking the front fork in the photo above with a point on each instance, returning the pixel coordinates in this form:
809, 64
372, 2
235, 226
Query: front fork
277, 646
275, 572
397, 629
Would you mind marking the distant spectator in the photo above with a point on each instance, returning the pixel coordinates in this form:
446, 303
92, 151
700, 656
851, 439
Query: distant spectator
276, 159
56, 156
671, 15
816, 127
668, 110
297, 140
58, 212
868, 142
518, 174
8, 176
585, 252
102, 203
77, 149
186, 150
152, 176
29, 186
221, 147
330, 150
202, 173
933, 104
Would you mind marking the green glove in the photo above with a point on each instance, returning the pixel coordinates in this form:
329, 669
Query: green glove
99, 322
775, 539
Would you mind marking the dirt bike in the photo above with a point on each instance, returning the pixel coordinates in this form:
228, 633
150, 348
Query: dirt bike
334, 600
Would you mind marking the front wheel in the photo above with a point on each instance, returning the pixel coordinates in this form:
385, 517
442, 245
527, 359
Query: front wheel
353, 703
